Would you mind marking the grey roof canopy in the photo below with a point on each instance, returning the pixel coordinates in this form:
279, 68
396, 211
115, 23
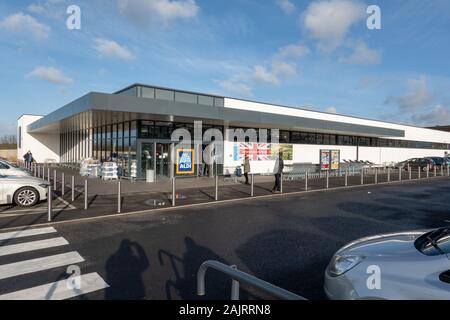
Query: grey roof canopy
133, 107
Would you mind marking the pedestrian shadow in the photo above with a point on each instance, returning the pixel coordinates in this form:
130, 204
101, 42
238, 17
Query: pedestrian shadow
124, 272
184, 286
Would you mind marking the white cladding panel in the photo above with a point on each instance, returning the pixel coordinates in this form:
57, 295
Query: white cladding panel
44, 147
411, 133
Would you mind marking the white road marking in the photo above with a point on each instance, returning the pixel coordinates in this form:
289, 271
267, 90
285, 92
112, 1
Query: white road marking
39, 264
26, 233
66, 203
59, 290
32, 246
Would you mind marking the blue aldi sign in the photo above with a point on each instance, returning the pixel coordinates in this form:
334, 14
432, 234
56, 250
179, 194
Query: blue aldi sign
185, 161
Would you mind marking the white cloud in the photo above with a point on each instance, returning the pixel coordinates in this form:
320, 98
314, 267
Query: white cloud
165, 10
439, 115
49, 74
418, 95
21, 22
331, 110
293, 51
278, 72
329, 21
37, 8
362, 54
286, 5
236, 88
112, 49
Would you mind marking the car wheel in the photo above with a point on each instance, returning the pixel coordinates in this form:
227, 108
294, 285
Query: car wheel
26, 197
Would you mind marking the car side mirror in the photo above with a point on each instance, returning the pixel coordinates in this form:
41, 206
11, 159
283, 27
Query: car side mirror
445, 276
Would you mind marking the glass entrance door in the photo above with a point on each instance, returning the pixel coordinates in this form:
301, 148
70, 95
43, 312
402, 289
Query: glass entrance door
155, 161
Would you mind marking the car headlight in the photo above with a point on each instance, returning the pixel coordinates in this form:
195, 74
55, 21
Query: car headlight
341, 264
44, 185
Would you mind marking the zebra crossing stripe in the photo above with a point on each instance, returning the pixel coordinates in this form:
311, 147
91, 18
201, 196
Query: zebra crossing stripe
26, 233
32, 246
59, 290
39, 264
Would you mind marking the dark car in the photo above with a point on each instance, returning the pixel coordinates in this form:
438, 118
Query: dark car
419, 164
440, 162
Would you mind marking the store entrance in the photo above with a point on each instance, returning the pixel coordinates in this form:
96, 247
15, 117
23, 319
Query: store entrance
155, 161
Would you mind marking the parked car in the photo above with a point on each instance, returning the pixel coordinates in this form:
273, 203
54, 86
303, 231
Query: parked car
23, 191
410, 265
439, 162
419, 164
9, 169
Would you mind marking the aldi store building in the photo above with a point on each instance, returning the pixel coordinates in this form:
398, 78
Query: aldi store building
134, 127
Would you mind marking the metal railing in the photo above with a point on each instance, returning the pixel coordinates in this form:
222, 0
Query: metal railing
239, 277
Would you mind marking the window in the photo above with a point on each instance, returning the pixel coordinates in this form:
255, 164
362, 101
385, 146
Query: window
185, 97
161, 94
148, 93
205, 100
219, 102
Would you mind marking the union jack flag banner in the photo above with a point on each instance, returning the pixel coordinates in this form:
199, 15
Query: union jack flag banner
255, 151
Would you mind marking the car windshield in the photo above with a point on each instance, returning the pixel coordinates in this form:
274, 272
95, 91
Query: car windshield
433, 243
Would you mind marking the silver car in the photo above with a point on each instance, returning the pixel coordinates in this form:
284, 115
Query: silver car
9, 169
402, 266
23, 191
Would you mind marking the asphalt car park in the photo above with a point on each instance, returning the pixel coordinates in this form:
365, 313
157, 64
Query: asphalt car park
287, 240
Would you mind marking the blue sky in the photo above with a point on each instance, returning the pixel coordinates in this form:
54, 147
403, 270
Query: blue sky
315, 54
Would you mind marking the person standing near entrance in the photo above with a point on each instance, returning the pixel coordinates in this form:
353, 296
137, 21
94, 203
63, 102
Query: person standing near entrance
246, 166
279, 167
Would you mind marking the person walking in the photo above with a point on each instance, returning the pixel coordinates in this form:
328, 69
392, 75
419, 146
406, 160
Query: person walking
279, 167
246, 166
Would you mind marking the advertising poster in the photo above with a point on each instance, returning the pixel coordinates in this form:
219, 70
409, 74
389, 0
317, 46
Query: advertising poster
335, 159
287, 151
325, 157
185, 161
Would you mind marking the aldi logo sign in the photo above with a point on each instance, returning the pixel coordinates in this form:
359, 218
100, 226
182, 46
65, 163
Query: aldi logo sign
185, 161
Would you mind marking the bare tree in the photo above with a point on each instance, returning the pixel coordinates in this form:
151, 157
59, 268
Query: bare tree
8, 139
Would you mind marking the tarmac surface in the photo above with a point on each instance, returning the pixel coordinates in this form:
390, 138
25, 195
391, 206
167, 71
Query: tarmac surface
287, 240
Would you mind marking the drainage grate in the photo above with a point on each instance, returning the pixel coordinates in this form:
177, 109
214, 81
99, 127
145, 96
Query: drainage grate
155, 203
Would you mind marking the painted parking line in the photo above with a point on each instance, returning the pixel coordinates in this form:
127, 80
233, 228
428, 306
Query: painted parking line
32, 246
59, 290
39, 264
30, 213
26, 233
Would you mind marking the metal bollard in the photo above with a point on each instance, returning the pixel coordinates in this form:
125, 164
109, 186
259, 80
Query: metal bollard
48, 175
419, 171
119, 196
234, 287
174, 194
410, 173
55, 180
217, 187
63, 184
328, 179
435, 173
50, 204
306, 179
73, 188
400, 174
389, 175
362, 176
346, 178
86, 194
442, 171
281, 183
428, 171
376, 175
448, 170
252, 188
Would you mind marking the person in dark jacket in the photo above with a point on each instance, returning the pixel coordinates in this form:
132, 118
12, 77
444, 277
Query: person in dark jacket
279, 167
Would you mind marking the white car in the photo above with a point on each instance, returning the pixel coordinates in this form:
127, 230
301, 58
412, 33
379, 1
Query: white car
22, 190
402, 266
9, 169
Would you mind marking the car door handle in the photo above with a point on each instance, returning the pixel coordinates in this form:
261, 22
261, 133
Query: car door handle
445, 276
